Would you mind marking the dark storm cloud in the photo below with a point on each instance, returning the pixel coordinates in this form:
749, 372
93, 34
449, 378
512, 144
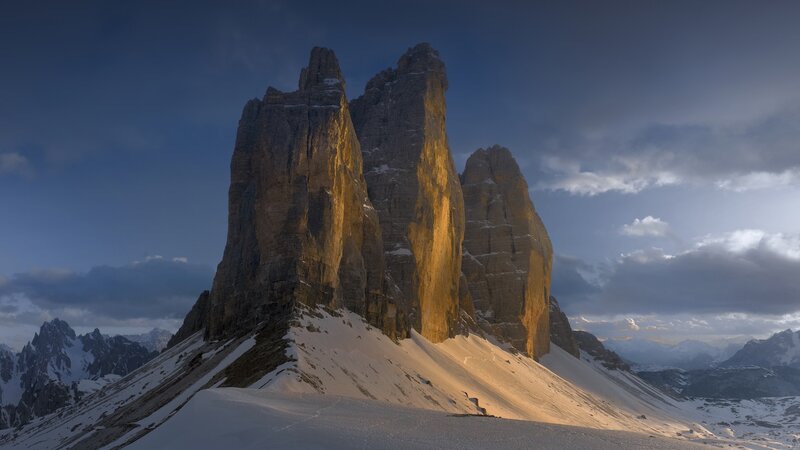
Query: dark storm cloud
748, 272
569, 283
156, 288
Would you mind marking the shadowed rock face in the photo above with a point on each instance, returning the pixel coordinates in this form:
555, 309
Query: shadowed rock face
413, 184
561, 331
507, 252
301, 228
588, 343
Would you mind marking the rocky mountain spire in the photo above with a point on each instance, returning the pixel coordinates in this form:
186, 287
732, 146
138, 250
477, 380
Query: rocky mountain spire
507, 252
301, 228
413, 184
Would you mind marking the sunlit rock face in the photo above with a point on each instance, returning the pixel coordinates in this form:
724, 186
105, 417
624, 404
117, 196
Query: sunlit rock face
413, 184
301, 228
507, 252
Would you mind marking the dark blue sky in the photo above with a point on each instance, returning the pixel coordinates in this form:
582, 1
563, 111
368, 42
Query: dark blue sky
117, 123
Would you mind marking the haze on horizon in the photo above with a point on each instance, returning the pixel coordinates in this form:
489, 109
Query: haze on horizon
660, 141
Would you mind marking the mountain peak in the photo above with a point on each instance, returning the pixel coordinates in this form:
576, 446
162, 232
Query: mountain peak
780, 349
322, 70
421, 59
508, 254
54, 331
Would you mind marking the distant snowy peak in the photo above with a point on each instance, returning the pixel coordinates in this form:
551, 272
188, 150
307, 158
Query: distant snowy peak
154, 340
52, 370
781, 349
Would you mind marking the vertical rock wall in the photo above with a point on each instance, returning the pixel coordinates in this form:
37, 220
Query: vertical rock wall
507, 252
413, 184
301, 228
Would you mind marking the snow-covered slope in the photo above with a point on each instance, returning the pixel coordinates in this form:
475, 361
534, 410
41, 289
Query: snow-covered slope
344, 356
135, 404
256, 419
339, 363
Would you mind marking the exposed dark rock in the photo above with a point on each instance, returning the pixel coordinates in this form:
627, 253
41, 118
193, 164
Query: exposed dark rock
591, 345
560, 331
194, 321
114, 355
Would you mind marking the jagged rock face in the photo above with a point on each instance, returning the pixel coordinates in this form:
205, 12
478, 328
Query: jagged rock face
560, 330
114, 355
591, 345
413, 184
507, 252
301, 228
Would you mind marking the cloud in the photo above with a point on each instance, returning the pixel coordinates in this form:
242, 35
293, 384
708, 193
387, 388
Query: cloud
738, 156
648, 226
14, 163
155, 288
624, 175
570, 279
682, 326
744, 271
760, 180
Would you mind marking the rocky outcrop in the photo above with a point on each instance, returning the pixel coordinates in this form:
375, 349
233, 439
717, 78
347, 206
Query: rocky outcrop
592, 346
413, 184
194, 321
560, 330
507, 252
301, 228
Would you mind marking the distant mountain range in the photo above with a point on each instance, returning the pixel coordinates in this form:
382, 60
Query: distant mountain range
781, 349
645, 354
155, 340
58, 367
761, 368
